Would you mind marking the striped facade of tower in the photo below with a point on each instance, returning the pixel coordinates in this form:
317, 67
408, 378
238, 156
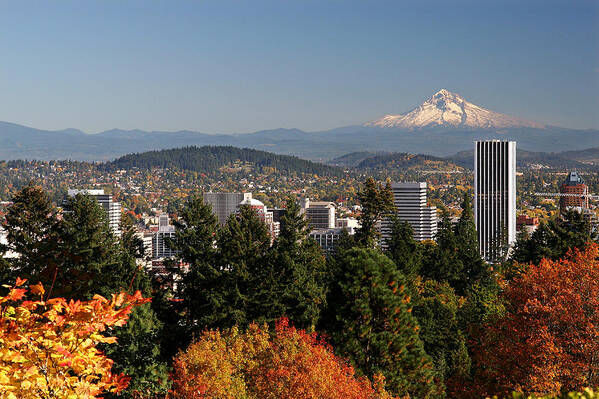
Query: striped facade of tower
495, 196
409, 199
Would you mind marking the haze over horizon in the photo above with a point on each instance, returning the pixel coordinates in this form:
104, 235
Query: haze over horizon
234, 67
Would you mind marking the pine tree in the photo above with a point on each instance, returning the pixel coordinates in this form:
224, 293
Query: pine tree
194, 240
31, 227
437, 309
298, 271
376, 201
474, 268
403, 250
244, 244
89, 251
373, 324
553, 239
131, 242
442, 262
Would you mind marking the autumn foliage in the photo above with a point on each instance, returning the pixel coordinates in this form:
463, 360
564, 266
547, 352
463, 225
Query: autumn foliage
548, 340
48, 347
289, 364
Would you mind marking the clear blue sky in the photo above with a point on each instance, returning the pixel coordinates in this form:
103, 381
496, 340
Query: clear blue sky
240, 66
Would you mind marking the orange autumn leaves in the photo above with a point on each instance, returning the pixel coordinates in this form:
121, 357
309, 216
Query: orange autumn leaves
548, 339
289, 364
48, 347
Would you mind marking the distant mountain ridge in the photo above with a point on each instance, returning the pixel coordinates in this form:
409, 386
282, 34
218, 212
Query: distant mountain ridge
443, 125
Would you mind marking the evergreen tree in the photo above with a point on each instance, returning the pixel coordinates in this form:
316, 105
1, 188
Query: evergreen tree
403, 250
442, 262
553, 239
456, 258
194, 242
131, 242
298, 270
376, 201
90, 258
474, 268
31, 227
437, 309
244, 244
373, 324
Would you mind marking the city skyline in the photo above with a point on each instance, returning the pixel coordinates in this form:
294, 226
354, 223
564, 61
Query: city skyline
234, 67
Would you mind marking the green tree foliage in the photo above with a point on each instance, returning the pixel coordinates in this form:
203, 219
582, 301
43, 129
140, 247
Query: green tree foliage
456, 259
373, 324
90, 258
553, 239
437, 309
441, 261
132, 244
403, 250
298, 271
32, 229
376, 201
209, 159
194, 240
244, 244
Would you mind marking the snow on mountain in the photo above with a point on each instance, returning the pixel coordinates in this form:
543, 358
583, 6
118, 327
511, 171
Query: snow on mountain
445, 108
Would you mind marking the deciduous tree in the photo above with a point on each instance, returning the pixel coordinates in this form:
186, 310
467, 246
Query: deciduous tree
288, 364
48, 347
548, 339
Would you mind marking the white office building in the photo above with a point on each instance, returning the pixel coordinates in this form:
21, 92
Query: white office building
225, 204
410, 203
112, 208
166, 231
328, 239
495, 196
319, 214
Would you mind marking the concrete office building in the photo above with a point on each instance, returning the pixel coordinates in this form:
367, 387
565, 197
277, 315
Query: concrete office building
112, 208
348, 223
225, 204
327, 239
320, 215
410, 203
495, 197
166, 231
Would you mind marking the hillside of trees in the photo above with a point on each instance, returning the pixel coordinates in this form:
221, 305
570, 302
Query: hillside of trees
405, 160
211, 158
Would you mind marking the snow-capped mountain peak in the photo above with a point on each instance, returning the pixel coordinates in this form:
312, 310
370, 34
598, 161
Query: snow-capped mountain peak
445, 108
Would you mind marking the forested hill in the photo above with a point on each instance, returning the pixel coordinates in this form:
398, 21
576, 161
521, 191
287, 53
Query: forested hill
211, 158
407, 161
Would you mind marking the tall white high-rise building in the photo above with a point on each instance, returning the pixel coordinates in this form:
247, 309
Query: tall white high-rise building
409, 199
495, 197
112, 208
225, 204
